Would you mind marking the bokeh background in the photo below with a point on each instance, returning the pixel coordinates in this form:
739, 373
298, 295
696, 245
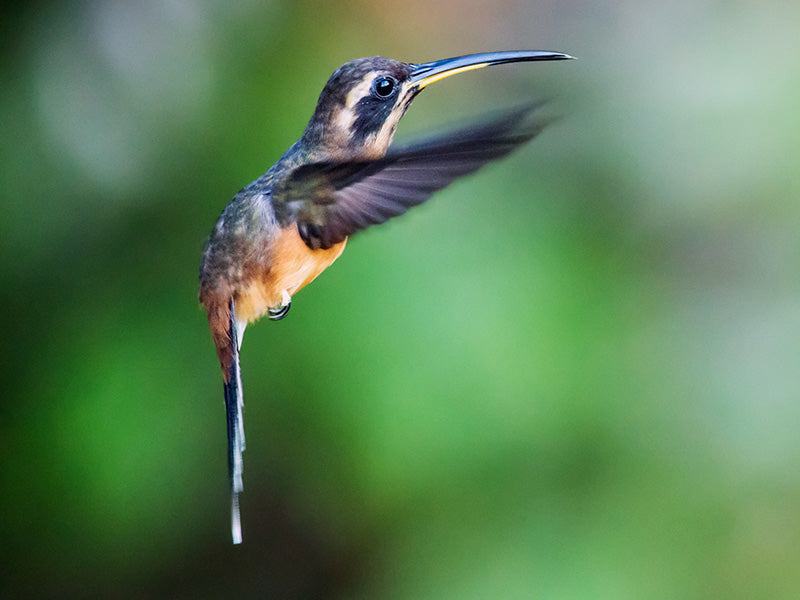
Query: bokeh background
572, 375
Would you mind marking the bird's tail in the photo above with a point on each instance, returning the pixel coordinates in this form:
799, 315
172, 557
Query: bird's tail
233, 410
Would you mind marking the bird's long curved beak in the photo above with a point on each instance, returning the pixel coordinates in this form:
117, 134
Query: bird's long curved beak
426, 73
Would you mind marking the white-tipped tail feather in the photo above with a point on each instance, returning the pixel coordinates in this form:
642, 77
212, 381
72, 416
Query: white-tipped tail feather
234, 405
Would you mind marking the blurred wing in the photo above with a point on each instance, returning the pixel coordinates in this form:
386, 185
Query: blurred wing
331, 201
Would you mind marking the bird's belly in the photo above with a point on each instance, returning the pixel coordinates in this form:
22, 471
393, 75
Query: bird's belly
290, 266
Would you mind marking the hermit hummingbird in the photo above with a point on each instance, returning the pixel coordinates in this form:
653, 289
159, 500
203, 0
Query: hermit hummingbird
282, 230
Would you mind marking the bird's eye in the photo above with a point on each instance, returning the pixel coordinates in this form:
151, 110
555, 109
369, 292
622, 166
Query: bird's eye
383, 87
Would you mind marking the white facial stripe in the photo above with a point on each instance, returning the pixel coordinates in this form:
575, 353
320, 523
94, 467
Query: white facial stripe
361, 90
345, 116
343, 119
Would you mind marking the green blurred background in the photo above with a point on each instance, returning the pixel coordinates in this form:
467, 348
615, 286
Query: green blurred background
573, 375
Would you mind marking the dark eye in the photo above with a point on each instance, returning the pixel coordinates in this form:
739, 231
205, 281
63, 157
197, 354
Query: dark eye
384, 87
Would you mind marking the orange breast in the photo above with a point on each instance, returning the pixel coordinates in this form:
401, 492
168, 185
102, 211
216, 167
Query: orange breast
289, 266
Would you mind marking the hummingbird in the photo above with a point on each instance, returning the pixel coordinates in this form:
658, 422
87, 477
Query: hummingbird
281, 231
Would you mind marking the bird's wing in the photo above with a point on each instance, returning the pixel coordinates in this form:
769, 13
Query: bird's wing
331, 201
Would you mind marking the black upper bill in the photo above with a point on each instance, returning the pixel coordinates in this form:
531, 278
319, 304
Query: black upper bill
426, 73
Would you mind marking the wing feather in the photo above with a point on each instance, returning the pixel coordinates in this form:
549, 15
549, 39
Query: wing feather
351, 196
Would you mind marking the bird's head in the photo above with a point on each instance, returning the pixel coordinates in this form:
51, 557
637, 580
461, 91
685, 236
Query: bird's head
358, 110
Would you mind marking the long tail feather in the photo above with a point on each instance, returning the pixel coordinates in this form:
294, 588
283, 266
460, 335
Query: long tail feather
233, 410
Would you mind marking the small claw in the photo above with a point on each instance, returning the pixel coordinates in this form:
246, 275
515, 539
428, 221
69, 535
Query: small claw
276, 314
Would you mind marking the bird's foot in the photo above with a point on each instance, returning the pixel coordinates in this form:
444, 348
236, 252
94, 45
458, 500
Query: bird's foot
280, 311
